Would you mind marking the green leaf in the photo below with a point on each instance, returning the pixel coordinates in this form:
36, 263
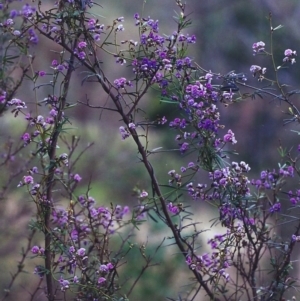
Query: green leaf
278, 27
168, 100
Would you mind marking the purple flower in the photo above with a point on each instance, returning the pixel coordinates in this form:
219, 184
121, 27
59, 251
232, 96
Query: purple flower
28, 11
13, 13
81, 252
60, 216
33, 36
188, 260
124, 133
101, 280
182, 169
77, 178
65, 284
81, 45
103, 268
120, 60
42, 73
258, 47
254, 69
16, 33
184, 147
17, 102
81, 55
229, 137
120, 27
53, 113
131, 126
74, 235
173, 208
120, 212
91, 23
275, 208
60, 68
26, 138
54, 63
28, 180
35, 250
191, 40
143, 194
293, 201
97, 37
121, 82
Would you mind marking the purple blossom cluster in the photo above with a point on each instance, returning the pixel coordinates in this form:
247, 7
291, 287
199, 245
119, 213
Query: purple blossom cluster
290, 56
257, 70
174, 209
162, 62
269, 179
100, 216
27, 13
37, 250
202, 125
258, 47
216, 263
77, 246
233, 177
95, 28
295, 238
124, 132
122, 82
294, 197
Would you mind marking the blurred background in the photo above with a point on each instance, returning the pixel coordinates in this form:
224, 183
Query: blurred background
225, 32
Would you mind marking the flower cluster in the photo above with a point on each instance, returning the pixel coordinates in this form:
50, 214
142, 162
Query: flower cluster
124, 132
216, 263
122, 82
175, 209
161, 61
257, 70
269, 179
95, 28
80, 51
37, 250
290, 56
232, 177
295, 238
258, 47
294, 197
